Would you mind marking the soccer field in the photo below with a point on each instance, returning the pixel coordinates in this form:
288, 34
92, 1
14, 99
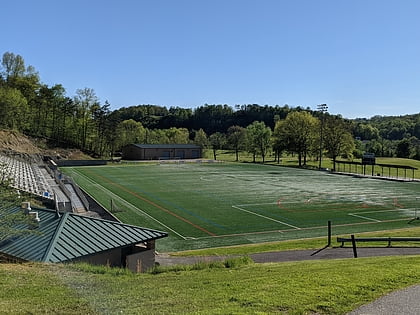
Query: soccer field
216, 204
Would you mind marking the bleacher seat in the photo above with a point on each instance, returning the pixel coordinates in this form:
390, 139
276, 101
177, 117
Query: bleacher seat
26, 177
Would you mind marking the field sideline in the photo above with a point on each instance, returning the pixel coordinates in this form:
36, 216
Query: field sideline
217, 204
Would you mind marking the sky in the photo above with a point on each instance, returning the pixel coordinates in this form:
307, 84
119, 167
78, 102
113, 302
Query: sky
360, 57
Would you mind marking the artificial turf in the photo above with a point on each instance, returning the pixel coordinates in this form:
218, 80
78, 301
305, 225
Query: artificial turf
214, 204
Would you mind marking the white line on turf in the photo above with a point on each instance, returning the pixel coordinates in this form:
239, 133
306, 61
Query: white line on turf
265, 217
128, 203
366, 218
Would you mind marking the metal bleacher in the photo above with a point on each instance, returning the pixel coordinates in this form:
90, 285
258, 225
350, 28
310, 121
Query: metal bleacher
44, 182
26, 177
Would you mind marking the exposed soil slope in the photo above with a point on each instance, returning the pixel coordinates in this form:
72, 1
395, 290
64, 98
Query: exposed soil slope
13, 141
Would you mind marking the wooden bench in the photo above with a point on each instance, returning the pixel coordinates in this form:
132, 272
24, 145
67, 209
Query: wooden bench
378, 239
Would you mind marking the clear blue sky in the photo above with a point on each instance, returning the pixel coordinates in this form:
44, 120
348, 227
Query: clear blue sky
361, 57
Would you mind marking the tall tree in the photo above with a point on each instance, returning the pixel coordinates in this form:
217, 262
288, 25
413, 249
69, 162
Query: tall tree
13, 109
217, 141
130, 131
337, 138
102, 124
13, 65
259, 139
298, 132
236, 139
201, 139
85, 99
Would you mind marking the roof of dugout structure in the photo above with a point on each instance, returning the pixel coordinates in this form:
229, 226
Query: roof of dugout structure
68, 236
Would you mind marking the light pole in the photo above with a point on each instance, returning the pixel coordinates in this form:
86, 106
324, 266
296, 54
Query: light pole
322, 108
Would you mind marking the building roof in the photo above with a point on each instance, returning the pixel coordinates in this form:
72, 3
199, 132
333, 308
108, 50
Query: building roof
71, 236
167, 146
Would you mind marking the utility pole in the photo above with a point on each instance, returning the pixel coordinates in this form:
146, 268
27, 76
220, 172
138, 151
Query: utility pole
322, 108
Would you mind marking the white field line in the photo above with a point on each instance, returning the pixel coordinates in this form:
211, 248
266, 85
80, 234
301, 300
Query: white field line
265, 217
391, 210
128, 204
362, 217
257, 204
375, 220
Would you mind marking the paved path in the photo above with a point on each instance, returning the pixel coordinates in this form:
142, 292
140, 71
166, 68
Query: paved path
296, 255
402, 302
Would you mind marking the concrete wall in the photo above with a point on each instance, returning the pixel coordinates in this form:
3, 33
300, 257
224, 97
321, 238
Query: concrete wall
81, 162
142, 261
137, 258
110, 258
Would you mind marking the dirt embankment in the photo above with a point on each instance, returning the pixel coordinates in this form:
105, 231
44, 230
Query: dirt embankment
16, 144
13, 141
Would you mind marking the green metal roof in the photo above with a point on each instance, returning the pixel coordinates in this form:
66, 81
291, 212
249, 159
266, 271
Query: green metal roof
71, 236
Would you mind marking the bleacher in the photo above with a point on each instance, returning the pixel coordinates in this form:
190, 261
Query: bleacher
26, 177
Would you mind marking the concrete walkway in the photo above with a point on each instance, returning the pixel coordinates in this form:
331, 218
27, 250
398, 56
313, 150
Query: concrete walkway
402, 302
295, 255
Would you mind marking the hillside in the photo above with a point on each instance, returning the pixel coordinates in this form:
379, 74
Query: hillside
316, 287
16, 143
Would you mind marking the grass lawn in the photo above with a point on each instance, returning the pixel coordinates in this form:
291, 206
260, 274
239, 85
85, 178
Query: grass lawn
322, 287
33, 289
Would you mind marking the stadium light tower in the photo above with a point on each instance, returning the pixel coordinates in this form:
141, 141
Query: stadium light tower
322, 108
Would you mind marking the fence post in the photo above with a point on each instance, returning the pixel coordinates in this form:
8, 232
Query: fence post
329, 233
353, 241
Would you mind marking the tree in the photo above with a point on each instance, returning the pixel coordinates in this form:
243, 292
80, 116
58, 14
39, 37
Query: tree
236, 139
279, 145
337, 138
403, 148
13, 109
177, 135
217, 141
103, 127
129, 132
213, 118
298, 132
85, 99
13, 65
201, 139
259, 139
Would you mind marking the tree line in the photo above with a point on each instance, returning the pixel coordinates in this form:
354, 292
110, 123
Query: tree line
82, 121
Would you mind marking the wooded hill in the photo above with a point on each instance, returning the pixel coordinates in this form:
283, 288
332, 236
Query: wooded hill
82, 121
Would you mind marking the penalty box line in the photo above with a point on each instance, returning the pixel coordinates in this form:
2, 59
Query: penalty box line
265, 217
130, 205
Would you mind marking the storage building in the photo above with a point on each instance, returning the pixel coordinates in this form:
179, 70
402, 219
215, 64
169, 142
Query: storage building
161, 152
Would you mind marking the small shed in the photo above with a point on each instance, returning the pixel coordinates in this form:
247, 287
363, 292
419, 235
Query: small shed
161, 152
69, 237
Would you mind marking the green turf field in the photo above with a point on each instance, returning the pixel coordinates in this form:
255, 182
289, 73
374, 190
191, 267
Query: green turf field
215, 204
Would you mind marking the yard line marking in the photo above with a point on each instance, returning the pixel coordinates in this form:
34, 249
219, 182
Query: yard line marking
362, 217
265, 217
127, 203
